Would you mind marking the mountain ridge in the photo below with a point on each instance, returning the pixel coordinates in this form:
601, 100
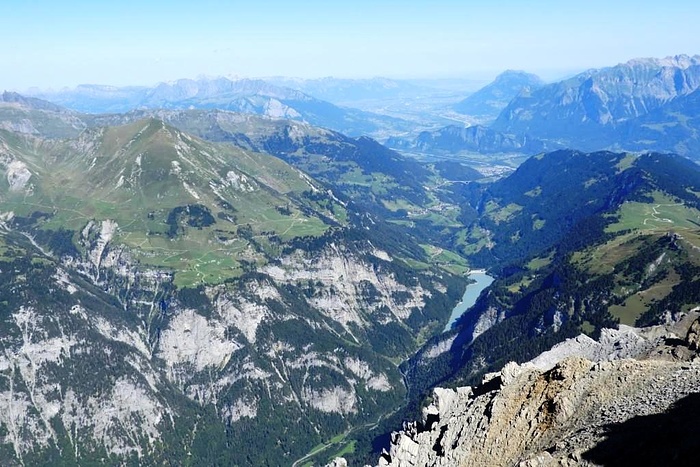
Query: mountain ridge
455, 139
587, 110
639, 105
243, 95
240, 292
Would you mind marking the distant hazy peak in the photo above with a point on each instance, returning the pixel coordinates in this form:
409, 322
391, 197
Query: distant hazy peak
9, 96
30, 102
588, 110
488, 101
99, 87
682, 61
520, 75
215, 87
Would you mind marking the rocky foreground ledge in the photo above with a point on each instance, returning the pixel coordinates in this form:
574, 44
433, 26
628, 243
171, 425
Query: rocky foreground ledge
630, 398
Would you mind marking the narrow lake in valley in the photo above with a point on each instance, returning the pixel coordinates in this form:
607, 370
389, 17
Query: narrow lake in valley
472, 292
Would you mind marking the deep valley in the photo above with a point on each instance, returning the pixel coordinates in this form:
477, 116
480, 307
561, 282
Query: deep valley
244, 272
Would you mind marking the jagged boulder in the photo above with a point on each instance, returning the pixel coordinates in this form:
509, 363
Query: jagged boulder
693, 336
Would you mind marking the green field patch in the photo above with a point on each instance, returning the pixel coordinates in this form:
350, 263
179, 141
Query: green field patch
356, 177
587, 327
437, 219
501, 214
636, 304
474, 240
630, 310
602, 259
693, 238
402, 222
7, 252
396, 204
538, 263
663, 214
383, 185
625, 163
348, 448
523, 283
447, 260
194, 258
414, 264
267, 218
211, 268
38, 260
534, 192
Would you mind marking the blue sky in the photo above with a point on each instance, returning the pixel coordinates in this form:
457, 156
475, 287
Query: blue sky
64, 43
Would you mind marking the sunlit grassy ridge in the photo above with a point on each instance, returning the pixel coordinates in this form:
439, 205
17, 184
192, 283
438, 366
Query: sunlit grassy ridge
663, 213
644, 227
149, 177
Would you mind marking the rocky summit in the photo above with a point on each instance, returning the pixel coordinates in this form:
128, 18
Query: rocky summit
628, 398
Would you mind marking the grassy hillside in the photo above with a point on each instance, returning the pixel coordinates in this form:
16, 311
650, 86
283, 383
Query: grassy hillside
177, 201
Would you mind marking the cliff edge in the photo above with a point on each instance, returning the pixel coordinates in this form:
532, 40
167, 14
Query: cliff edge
631, 397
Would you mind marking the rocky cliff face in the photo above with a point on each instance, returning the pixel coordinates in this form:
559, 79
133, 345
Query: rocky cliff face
270, 346
629, 397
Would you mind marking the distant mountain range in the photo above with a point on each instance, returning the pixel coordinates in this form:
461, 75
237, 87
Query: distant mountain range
245, 95
639, 105
349, 91
644, 104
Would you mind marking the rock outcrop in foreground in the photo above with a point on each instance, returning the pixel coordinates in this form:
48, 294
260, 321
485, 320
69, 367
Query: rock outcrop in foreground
630, 398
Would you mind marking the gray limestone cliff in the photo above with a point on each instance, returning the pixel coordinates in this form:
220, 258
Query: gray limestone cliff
630, 397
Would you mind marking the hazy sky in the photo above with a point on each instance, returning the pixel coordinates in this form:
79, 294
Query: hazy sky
54, 43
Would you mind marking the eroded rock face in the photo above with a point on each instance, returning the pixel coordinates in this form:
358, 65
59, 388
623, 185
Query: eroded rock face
350, 287
42, 398
566, 407
693, 336
101, 354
